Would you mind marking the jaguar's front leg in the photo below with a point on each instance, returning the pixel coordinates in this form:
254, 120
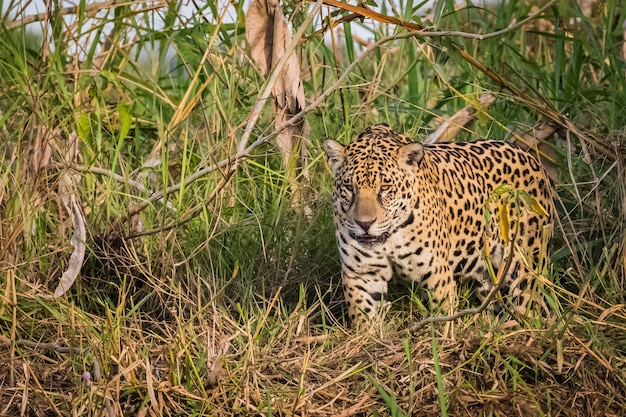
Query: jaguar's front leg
365, 290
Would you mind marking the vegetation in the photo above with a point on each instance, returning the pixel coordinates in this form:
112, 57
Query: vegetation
207, 292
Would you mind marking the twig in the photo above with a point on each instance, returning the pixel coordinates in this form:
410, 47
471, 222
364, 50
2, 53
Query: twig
158, 195
502, 271
119, 178
468, 311
89, 8
193, 214
425, 32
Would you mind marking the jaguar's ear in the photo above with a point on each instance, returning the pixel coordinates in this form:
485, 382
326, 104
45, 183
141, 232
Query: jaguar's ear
335, 152
411, 155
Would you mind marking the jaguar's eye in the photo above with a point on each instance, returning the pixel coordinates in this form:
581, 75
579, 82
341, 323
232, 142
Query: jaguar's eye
348, 187
385, 187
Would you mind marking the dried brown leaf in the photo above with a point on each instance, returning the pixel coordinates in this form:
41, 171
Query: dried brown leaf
260, 32
268, 37
41, 152
460, 120
69, 199
150, 385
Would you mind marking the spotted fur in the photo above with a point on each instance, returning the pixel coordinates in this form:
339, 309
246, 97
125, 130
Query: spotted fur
401, 208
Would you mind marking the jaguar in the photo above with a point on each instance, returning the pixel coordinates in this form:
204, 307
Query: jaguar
436, 215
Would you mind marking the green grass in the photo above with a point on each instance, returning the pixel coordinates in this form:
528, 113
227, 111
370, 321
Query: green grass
227, 299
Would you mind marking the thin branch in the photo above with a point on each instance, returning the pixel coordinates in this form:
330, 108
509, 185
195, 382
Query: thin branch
119, 178
421, 31
89, 8
191, 215
492, 293
461, 119
468, 311
158, 196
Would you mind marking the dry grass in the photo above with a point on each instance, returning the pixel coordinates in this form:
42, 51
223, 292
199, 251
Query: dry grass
278, 362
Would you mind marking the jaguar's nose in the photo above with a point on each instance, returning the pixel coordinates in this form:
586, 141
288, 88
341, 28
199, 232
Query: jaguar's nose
365, 224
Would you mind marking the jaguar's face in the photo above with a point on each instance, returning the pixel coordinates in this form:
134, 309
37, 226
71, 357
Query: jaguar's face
367, 209
372, 186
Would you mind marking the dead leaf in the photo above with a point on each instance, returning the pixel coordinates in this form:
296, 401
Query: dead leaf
41, 152
268, 37
216, 367
38, 153
149, 383
261, 20
460, 120
69, 199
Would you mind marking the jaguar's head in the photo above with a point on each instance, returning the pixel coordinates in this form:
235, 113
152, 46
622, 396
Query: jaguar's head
373, 182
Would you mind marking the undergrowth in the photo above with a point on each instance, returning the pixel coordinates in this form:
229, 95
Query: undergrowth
221, 296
